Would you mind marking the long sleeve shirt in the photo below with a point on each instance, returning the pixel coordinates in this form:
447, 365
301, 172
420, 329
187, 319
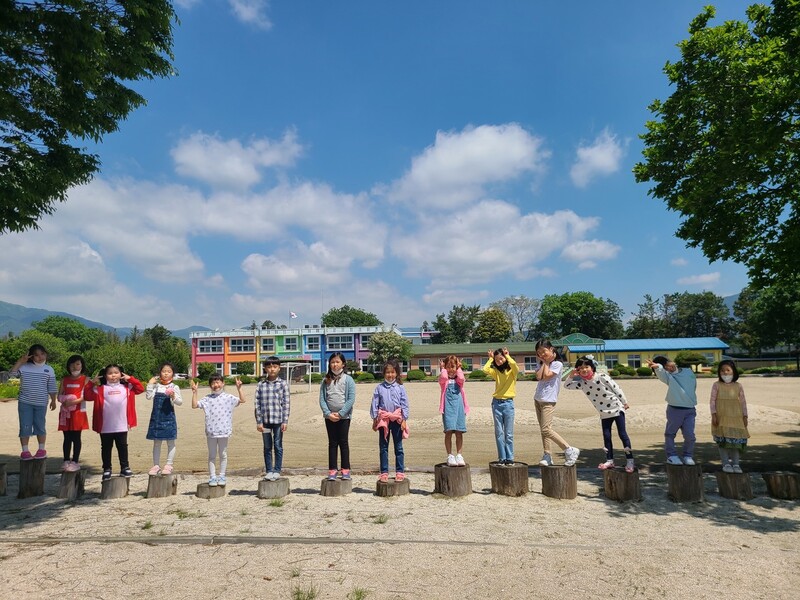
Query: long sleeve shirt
272, 402
444, 381
346, 410
389, 397
715, 391
681, 387
603, 392
505, 382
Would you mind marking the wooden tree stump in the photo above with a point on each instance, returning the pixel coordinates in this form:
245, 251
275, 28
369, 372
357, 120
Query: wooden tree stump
273, 489
685, 483
336, 487
783, 485
509, 480
734, 485
452, 481
31, 478
621, 485
72, 484
561, 482
162, 486
207, 492
116, 487
384, 489
3, 479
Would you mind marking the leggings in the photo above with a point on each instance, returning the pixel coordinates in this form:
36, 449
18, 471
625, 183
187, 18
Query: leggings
72, 441
157, 451
338, 439
217, 445
623, 435
107, 441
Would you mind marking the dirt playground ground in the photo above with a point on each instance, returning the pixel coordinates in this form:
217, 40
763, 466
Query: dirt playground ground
418, 546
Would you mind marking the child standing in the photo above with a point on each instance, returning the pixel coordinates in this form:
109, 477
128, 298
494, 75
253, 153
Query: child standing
453, 408
218, 407
165, 396
681, 412
548, 384
389, 412
37, 382
729, 416
272, 416
337, 395
114, 414
72, 419
609, 400
503, 369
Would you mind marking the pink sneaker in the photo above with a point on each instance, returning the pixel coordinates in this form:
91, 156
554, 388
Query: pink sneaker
167, 470
384, 477
25, 455
65, 465
40, 453
154, 470
399, 476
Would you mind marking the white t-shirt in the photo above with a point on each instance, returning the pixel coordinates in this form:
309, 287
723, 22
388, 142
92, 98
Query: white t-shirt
219, 414
547, 391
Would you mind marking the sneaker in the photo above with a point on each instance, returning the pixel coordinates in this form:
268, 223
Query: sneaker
212, 482
167, 470
40, 453
609, 464
737, 469
629, 466
126, 472
73, 466
509, 462
399, 476
221, 480
106, 475
571, 456
345, 474
275, 476
547, 461
332, 475
727, 468
460, 462
688, 460
384, 477
65, 465
451, 460
267, 476
25, 455
674, 460
154, 470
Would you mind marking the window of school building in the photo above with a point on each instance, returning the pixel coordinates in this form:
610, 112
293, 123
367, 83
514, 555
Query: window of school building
290, 344
209, 346
425, 364
635, 360
466, 364
530, 363
612, 360
365, 338
243, 345
315, 366
340, 342
709, 358
268, 345
312, 343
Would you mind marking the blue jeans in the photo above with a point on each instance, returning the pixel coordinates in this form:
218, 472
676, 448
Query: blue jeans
396, 434
503, 415
273, 438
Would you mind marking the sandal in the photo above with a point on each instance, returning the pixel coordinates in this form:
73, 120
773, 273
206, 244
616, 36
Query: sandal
154, 470
399, 476
383, 478
167, 470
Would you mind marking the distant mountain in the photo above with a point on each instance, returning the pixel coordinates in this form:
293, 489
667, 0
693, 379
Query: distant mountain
16, 319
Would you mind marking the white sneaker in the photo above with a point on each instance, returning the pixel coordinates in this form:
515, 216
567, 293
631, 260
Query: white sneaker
547, 461
674, 460
737, 469
268, 476
727, 468
688, 460
571, 456
451, 461
276, 476
460, 461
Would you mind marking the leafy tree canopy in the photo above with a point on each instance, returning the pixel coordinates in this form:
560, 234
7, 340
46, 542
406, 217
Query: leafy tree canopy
724, 148
458, 326
348, 316
388, 344
579, 312
682, 315
79, 337
771, 315
63, 66
521, 311
493, 326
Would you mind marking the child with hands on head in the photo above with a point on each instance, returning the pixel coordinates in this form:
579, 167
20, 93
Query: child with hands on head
548, 384
453, 408
272, 416
72, 419
389, 412
729, 416
165, 395
114, 396
37, 382
218, 407
609, 400
337, 395
503, 369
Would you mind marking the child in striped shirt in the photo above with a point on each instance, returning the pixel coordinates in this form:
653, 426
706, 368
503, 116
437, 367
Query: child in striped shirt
37, 382
272, 416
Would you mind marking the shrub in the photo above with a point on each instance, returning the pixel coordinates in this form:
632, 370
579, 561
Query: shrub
614, 373
205, 370
315, 377
415, 375
364, 376
478, 374
765, 370
9, 390
644, 371
625, 370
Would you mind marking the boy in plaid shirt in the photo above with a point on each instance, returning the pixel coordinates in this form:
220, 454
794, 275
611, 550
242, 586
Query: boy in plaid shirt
272, 415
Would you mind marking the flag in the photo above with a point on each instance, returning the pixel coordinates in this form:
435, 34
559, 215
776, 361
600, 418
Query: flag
292, 315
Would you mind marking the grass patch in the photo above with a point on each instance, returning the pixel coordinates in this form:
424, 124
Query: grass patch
147, 525
294, 573
277, 502
380, 519
358, 593
185, 514
308, 592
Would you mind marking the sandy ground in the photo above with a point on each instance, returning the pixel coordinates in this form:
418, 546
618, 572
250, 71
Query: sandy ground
420, 545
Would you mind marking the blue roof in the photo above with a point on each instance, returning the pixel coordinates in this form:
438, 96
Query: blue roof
656, 344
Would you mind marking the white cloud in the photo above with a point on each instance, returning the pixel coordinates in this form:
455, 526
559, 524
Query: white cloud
601, 157
456, 169
187, 4
705, 279
586, 253
679, 262
231, 164
253, 12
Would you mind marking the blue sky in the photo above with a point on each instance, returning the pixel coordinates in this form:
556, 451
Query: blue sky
398, 157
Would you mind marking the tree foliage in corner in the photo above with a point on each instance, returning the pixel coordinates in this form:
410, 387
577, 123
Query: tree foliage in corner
63, 66
388, 344
724, 151
348, 316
